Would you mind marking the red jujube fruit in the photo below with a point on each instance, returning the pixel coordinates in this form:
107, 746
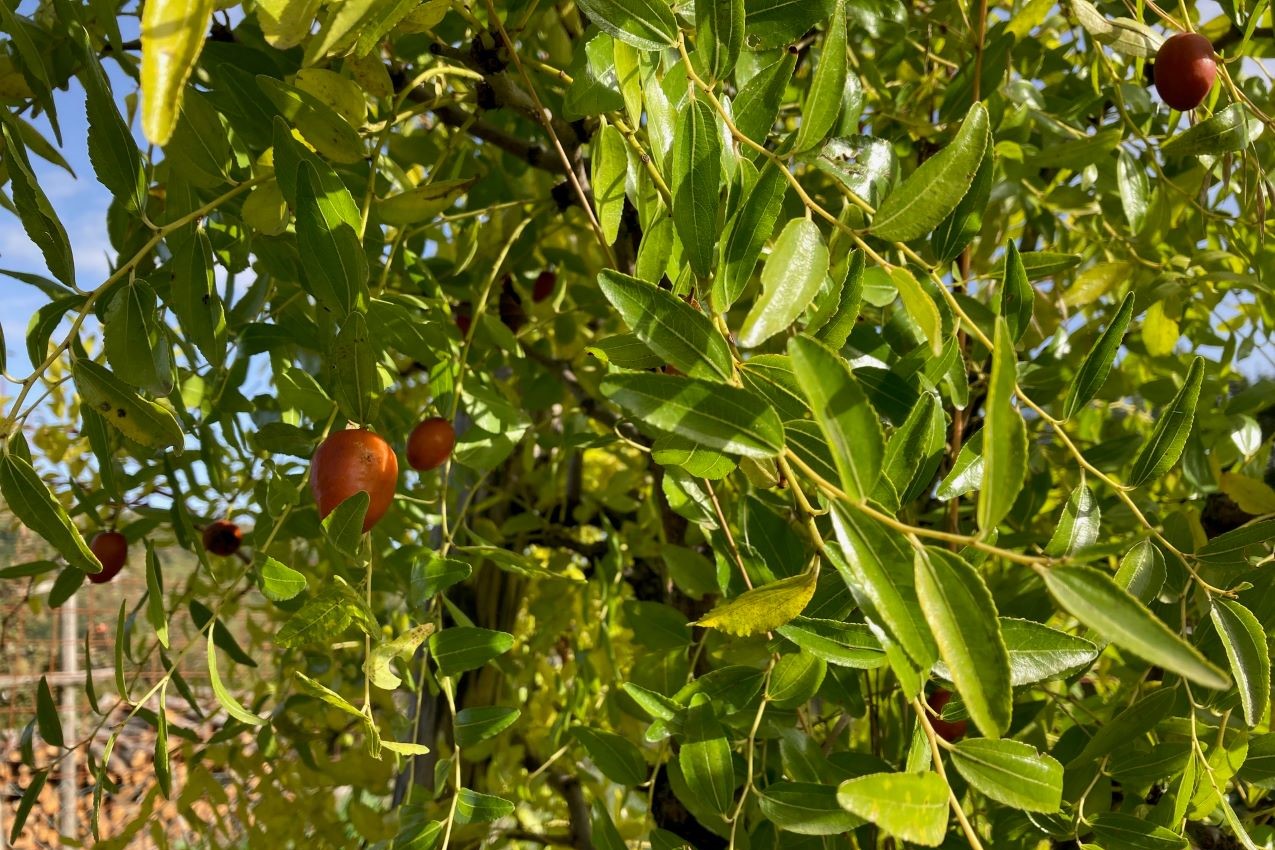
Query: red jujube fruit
111, 549
350, 461
431, 443
1185, 68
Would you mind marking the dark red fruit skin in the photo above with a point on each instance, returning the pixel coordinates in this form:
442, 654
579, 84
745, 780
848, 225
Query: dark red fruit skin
111, 549
222, 538
948, 731
1185, 68
350, 461
430, 444
545, 283
510, 306
463, 319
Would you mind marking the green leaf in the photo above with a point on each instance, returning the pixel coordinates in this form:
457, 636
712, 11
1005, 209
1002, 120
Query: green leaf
432, 574
163, 768
379, 664
696, 167
920, 307
758, 102
1163, 448
775, 23
1227, 130
477, 724
962, 615
1102, 605
790, 280
155, 614
1142, 571
1017, 295
1097, 364
1077, 528
473, 807
172, 36
705, 758
232, 706
730, 419
841, 408
958, 230
932, 192
645, 24
137, 418
331, 253
806, 808
192, 295
30, 500
1010, 772
462, 648
1004, 438
29, 796
355, 359
112, 149
1038, 652
46, 714
823, 104
669, 326
915, 449
837, 329
602, 829
1117, 829
763, 608
324, 617
910, 806
319, 124
594, 88
421, 203
1246, 651
130, 338
747, 234
1237, 546
405, 748
610, 168
1135, 190
876, 568
626, 351
320, 691
865, 165
841, 644
617, 757
279, 582
695, 460
795, 679
36, 213
719, 36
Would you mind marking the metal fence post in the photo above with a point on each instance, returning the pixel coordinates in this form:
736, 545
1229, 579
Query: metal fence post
70, 785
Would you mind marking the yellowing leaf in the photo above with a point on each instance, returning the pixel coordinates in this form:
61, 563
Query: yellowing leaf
421, 203
342, 94
1160, 331
172, 36
762, 608
1253, 496
285, 23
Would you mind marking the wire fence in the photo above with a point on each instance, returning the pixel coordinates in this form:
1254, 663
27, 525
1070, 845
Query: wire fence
64, 646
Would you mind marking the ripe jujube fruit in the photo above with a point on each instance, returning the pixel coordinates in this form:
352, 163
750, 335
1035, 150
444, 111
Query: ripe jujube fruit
1185, 68
948, 730
463, 318
545, 283
510, 307
222, 537
111, 550
431, 443
350, 461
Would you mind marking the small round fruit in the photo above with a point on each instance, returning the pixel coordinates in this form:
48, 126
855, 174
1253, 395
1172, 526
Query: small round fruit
111, 549
350, 461
545, 283
431, 443
947, 730
222, 538
463, 319
510, 306
1185, 68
